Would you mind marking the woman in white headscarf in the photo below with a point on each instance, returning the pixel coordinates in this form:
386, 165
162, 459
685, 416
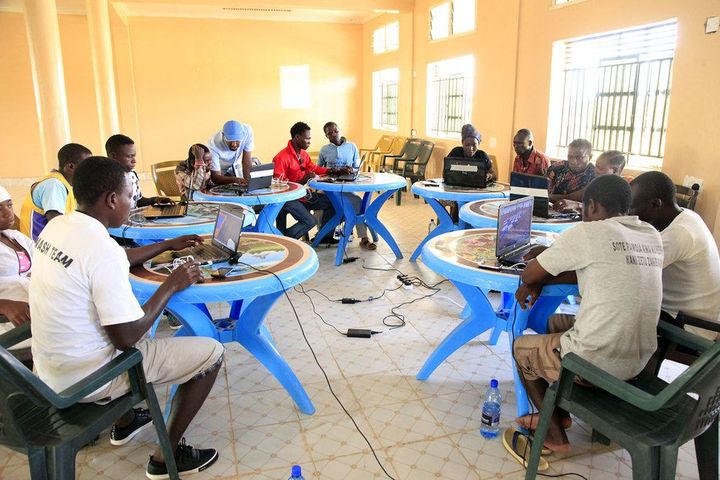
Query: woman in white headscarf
16, 251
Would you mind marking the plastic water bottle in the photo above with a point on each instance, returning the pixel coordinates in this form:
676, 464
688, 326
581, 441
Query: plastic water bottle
491, 411
296, 473
431, 225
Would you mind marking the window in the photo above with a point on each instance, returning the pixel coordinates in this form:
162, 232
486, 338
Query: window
614, 90
295, 86
449, 96
451, 18
386, 38
385, 99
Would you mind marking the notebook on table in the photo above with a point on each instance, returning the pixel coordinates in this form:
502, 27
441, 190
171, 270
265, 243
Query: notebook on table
464, 172
225, 238
174, 210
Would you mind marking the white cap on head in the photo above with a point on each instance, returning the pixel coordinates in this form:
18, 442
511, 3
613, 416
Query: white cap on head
4, 194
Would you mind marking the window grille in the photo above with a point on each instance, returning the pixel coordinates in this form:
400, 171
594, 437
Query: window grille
449, 102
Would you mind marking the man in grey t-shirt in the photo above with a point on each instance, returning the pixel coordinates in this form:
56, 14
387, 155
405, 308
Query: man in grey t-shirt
617, 260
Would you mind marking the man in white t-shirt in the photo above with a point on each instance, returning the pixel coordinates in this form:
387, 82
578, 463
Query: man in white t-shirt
691, 270
617, 260
231, 151
84, 312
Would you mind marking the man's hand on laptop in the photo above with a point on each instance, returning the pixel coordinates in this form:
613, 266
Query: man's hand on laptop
342, 170
565, 205
524, 291
185, 275
185, 241
164, 201
308, 176
240, 181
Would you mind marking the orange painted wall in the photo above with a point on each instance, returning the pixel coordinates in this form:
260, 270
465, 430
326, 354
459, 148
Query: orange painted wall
693, 136
192, 75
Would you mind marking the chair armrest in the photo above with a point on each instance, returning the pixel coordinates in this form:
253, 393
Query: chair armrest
611, 384
684, 338
686, 319
15, 336
116, 367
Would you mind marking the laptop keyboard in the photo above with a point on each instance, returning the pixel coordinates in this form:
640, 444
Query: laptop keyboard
177, 210
203, 253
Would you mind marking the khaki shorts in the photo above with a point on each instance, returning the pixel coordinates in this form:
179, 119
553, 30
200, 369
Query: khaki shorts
538, 356
560, 323
167, 361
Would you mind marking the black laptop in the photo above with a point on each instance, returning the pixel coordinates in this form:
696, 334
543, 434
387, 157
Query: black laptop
536, 186
464, 172
174, 210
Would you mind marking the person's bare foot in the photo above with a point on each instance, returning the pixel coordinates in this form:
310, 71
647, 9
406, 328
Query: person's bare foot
530, 422
562, 448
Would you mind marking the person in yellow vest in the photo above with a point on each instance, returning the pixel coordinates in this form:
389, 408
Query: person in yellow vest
52, 196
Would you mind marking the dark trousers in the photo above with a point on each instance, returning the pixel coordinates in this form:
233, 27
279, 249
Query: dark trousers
300, 211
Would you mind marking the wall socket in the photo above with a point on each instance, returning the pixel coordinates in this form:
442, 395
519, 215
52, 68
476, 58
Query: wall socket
689, 181
413, 132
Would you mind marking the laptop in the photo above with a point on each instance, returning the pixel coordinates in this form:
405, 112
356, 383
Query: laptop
156, 211
260, 177
513, 238
464, 172
225, 237
536, 186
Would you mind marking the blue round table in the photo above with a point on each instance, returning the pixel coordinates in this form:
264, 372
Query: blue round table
200, 220
250, 294
456, 256
434, 191
483, 214
387, 183
273, 198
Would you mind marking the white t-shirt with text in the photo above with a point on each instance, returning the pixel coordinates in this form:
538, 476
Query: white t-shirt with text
618, 262
79, 284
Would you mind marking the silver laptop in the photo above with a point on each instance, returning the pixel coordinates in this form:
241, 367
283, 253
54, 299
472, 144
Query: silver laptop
225, 238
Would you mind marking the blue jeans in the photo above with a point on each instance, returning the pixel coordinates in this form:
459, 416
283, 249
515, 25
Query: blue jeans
300, 211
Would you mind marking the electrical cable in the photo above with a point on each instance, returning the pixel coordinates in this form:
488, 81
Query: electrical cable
317, 362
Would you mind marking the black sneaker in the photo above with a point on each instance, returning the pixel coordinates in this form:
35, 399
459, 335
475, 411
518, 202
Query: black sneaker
328, 240
173, 322
188, 460
122, 435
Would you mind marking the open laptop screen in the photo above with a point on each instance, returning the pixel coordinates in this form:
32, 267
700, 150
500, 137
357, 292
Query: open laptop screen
228, 227
514, 225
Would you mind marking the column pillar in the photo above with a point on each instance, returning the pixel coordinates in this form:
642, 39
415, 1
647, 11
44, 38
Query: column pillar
98, 19
43, 33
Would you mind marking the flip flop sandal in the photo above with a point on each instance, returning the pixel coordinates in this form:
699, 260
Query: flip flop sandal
517, 444
367, 244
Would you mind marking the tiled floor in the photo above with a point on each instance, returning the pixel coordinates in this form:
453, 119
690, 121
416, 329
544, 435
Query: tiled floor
419, 430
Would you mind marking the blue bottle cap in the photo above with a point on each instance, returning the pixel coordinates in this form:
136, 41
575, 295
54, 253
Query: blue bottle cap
493, 383
296, 471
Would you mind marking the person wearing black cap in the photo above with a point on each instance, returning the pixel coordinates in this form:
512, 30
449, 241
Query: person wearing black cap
231, 151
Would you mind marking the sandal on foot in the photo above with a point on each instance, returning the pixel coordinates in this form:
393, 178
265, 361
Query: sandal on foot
367, 244
518, 446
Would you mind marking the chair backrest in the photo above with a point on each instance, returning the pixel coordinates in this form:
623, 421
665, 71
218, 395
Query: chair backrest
411, 149
20, 391
398, 145
163, 174
385, 143
426, 149
493, 160
687, 196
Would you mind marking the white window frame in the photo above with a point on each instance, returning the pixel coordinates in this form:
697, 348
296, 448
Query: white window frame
447, 108
385, 104
614, 89
459, 19
386, 38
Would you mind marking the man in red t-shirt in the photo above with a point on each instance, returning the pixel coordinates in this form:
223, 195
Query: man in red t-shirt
528, 159
293, 164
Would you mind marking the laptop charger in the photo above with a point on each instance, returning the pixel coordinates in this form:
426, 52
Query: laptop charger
358, 333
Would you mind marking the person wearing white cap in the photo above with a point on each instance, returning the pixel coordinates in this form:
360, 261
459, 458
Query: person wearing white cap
231, 151
16, 251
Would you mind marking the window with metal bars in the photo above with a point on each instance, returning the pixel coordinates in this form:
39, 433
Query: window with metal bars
614, 90
385, 99
449, 96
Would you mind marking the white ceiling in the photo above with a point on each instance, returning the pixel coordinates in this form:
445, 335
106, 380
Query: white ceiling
336, 11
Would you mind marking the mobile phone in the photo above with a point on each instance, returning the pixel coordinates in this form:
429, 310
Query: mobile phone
220, 272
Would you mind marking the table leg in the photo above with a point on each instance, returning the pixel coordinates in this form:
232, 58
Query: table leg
367, 196
372, 221
332, 223
265, 221
445, 225
482, 317
251, 334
